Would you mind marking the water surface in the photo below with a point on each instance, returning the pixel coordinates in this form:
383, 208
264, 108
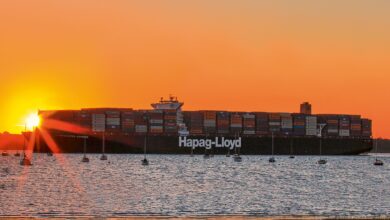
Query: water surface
180, 185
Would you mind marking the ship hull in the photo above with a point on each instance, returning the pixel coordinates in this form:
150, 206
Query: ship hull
164, 144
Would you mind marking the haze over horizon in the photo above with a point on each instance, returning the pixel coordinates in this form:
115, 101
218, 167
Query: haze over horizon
231, 55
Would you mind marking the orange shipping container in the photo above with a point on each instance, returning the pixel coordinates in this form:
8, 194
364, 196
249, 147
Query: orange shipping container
210, 115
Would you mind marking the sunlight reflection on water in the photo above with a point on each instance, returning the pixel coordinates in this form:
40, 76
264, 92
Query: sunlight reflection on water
183, 185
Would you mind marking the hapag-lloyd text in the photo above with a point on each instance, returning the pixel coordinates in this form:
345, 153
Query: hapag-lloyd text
209, 143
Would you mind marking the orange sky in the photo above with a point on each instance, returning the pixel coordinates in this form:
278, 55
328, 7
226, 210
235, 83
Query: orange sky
238, 55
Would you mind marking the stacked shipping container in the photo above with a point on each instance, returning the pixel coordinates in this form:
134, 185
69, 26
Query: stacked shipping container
299, 121
127, 119
366, 128
67, 116
209, 122
83, 119
286, 123
196, 123
223, 122
170, 121
98, 122
249, 124
262, 126
274, 123
356, 125
311, 125
113, 120
140, 122
156, 121
344, 126
61, 115
332, 125
235, 124
213, 122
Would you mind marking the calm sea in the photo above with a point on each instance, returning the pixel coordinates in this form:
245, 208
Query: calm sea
180, 185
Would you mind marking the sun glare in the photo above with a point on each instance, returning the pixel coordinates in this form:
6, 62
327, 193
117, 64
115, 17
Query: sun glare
32, 121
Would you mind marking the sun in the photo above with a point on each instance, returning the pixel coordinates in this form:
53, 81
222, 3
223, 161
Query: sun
33, 121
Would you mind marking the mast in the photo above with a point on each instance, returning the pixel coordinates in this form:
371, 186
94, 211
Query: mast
25, 160
145, 139
376, 145
104, 143
272, 143
85, 147
24, 140
145, 161
238, 147
321, 127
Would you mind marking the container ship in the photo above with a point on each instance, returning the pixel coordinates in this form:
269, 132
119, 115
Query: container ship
167, 129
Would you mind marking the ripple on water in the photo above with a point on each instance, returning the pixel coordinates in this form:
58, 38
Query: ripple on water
185, 186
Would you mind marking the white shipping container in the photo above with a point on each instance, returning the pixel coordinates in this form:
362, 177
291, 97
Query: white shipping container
248, 116
113, 124
141, 128
274, 123
311, 119
287, 122
98, 128
113, 113
344, 133
249, 132
127, 119
209, 123
98, 125
311, 126
156, 121
333, 131
311, 122
98, 122
111, 121
311, 132
99, 118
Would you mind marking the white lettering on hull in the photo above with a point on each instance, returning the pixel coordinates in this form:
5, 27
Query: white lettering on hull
218, 142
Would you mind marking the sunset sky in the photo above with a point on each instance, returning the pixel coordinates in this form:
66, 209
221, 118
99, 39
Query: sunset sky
247, 55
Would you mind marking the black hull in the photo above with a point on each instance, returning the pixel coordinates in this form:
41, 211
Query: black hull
132, 144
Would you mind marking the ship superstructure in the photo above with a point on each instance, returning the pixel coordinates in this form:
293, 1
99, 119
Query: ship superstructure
173, 106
